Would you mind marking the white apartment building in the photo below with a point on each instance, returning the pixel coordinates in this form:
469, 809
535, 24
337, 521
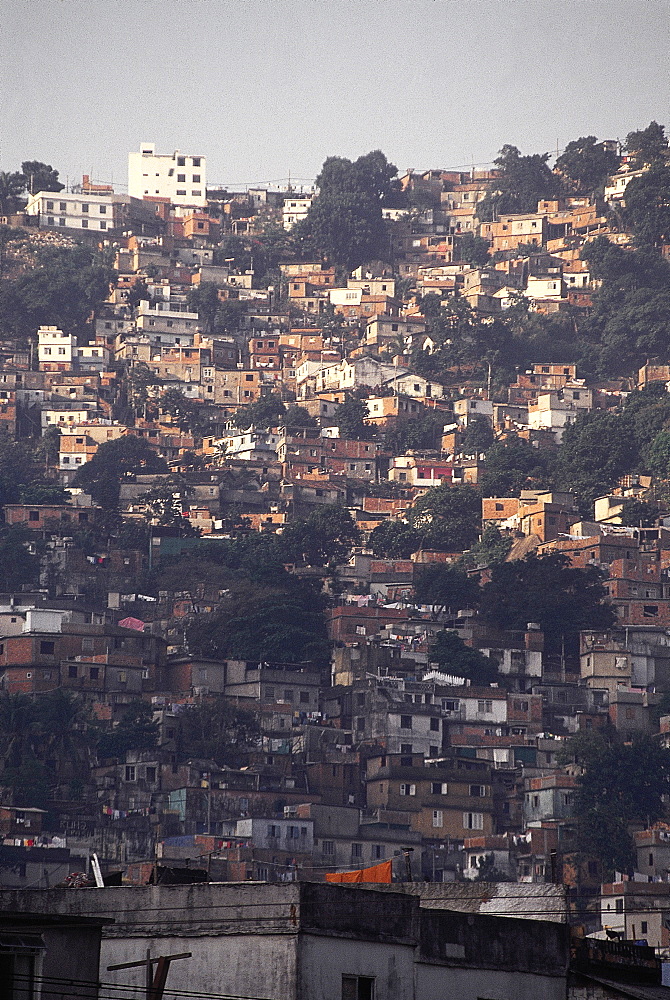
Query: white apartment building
181, 178
73, 211
55, 347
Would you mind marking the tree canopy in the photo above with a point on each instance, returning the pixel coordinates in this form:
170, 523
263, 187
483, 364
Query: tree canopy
522, 182
102, 475
40, 177
563, 599
622, 783
647, 145
447, 517
344, 221
586, 164
454, 657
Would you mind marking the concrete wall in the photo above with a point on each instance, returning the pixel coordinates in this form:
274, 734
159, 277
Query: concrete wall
323, 962
435, 983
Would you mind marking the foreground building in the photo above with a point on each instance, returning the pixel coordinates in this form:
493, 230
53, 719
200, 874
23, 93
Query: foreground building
316, 941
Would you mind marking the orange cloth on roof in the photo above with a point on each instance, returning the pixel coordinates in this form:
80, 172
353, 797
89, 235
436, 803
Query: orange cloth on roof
377, 873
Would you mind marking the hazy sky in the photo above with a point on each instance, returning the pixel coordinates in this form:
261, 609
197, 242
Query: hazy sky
264, 87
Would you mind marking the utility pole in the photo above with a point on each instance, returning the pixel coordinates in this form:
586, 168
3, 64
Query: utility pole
154, 985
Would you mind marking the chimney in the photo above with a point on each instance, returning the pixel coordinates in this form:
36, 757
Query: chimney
534, 637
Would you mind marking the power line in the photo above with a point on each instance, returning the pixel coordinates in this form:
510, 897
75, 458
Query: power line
58, 984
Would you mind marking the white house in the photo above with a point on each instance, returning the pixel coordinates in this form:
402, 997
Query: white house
181, 178
73, 211
55, 347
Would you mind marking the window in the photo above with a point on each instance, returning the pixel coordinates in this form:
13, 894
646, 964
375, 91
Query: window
405, 721
437, 818
358, 988
84, 223
130, 772
47, 648
84, 209
650, 611
406, 789
478, 791
435, 725
50, 206
94, 673
473, 821
618, 906
273, 831
304, 697
438, 788
269, 692
33, 515
644, 926
485, 706
328, 847
196, 178
151, 774
181, 178
196, 161
448, 705
357, 850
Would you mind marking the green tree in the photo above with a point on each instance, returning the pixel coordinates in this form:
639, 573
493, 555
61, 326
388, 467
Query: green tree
262, 413
12, 186
448, 517
67, 734
455, 658
424, 431
586, 163
218, 730
474, 249
263, 624
446, 587
113, 460
40, 177
136, 730
522, 182
394, 540
631, 313
350, 418
658, 455
345, 221
648, 145
648, 206
325, 536
165, 506
18, 729
621, 784
513, 465
181, 408
63, 290
640, 513
478, 435
491, 549
204, 299
597, 449
19, 565
565, 600
297, 417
